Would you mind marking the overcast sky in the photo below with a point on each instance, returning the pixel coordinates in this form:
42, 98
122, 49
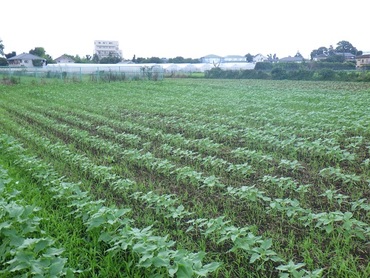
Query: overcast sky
187, 28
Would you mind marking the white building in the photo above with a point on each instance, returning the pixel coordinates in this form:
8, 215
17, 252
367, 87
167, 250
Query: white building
259, 58
211, 59
107, 49
64, 59
234, 58
26, 60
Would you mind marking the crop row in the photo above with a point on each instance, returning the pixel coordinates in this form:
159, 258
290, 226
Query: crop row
211, 163
114, 227
188, 175
258, 250
25, 249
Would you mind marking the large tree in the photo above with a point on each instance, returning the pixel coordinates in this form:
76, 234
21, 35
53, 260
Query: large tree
10, 55
110, 60
321, 50
347, 47
342, 47
3, 61
181, 60
249, 57
40, 51
1, 48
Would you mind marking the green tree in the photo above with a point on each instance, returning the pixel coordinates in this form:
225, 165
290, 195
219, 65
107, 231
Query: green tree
182, 60
319, 51
249, 57
335, 59
140, 60
346, 46
177, 60
110, 60
272, 58
40, 51
3, 62
95, 59
1, 47
77, 59
154, 60
10, 55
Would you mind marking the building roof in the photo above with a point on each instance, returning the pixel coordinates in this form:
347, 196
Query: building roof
346, 54
363, 56
64, 56
212, 56
291, 59
322, 55
25, 56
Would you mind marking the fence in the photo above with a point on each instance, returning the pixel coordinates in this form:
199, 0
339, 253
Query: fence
81, 72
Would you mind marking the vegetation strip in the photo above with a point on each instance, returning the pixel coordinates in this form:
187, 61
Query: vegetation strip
214, 164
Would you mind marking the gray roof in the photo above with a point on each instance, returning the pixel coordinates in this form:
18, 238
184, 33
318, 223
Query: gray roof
322, 55
291, 59
25, 56
64, 56
212, 56
345, 54
363, 56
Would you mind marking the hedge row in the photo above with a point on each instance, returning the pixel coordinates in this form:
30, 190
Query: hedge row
279, 73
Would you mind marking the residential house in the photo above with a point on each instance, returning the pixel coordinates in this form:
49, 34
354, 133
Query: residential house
320, 57
64, 59
290, 59
26, 60
363, 61
347, 56
259, 58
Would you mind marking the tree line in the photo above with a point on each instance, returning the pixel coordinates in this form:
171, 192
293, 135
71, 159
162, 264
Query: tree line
330, 53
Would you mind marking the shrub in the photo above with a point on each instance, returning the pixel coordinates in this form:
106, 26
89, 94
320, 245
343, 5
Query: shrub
214, 73
326, 74
301, 75
279, 74
263, 66
3, 62
11, 81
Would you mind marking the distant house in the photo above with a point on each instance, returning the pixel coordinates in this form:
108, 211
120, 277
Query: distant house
64, 59
290, 59
211, 59
320, 57
25, 60
363, 61
347, 56
260, 58
234, 58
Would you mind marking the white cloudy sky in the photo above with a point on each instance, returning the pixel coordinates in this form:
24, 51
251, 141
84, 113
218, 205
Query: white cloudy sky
187, 28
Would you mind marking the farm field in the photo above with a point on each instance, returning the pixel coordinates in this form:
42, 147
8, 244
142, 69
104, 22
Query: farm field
185, 178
